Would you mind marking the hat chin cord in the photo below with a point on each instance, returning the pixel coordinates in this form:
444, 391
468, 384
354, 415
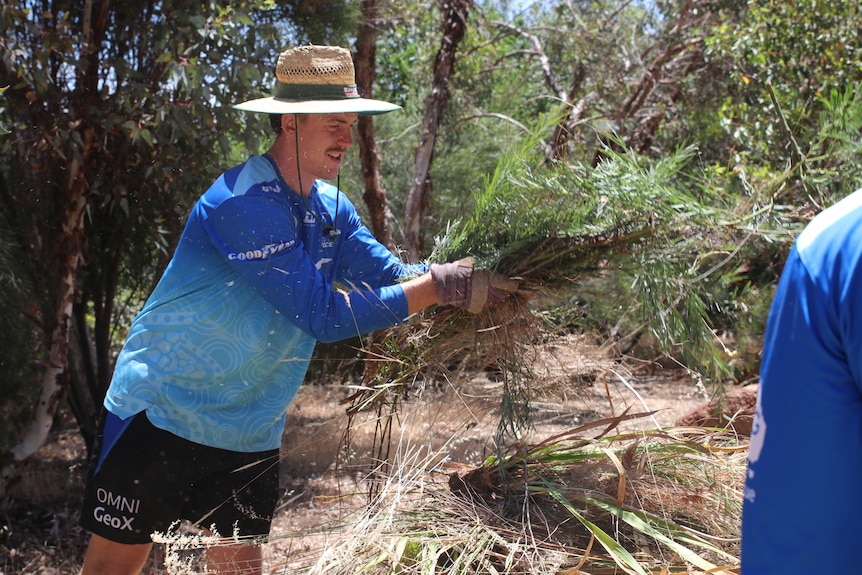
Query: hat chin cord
328, 229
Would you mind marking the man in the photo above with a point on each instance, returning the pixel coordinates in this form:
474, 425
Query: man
196, 408
802, 497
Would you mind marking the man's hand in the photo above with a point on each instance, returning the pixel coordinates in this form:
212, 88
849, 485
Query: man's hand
459, 284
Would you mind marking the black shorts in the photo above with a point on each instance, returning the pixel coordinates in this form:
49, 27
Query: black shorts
143, 479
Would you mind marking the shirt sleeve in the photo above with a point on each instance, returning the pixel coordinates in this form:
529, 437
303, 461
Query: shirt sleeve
257, 236
365, 262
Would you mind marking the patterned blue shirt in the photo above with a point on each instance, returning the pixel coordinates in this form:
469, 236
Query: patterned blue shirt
223, 342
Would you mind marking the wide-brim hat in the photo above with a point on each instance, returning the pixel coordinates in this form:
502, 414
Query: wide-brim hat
316, 80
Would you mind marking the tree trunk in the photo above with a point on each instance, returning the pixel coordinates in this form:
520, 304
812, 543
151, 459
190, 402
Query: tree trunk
564, 129
57, 327
375, 196
84, 394
455, 13
678, 55
52, 391
71, 206
557, 149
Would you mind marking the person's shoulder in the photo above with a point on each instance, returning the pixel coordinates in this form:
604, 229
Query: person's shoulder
257, 176
830, 246
253, 177
837, 225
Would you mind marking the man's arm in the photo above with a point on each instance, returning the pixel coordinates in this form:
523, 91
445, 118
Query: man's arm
420, 293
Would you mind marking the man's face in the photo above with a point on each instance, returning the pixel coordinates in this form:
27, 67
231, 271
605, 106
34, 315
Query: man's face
323, 140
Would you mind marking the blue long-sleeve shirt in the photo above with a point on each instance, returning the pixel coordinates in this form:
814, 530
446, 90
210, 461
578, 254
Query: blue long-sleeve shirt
223, 342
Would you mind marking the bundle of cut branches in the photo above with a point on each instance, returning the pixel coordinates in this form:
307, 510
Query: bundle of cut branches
552, 228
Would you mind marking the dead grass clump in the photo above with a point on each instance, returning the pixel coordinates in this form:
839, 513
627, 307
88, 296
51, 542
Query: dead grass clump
583, 501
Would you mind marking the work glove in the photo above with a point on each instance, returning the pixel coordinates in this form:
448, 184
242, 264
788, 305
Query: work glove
459, 284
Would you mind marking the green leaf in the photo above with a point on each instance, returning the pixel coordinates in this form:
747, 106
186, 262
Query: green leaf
668, 533
243, 18
619, 553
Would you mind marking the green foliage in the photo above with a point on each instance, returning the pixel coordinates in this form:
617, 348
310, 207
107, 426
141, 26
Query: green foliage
4, 129
771, 205
500, 87
560, 227
678, 240
319, 21
803, 52
19, 344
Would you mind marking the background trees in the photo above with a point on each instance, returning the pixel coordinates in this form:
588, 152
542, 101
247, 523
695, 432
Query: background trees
118, 116
117, 113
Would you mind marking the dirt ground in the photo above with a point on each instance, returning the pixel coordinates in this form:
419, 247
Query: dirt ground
323, 476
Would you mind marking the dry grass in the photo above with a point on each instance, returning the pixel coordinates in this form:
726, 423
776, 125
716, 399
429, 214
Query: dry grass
444, 502
544, 513
443, 427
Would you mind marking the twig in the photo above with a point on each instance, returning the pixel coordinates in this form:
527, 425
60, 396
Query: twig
637, 395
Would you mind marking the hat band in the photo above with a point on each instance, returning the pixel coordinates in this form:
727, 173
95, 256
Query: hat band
302, 92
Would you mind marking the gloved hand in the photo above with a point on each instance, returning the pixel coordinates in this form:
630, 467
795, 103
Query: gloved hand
459, 284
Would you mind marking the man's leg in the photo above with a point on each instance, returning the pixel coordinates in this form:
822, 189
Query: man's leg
105, 557
240, 499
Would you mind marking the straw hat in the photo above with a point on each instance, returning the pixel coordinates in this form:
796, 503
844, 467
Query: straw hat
316, 80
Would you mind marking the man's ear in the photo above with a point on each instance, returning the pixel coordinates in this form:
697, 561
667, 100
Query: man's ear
288, 122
